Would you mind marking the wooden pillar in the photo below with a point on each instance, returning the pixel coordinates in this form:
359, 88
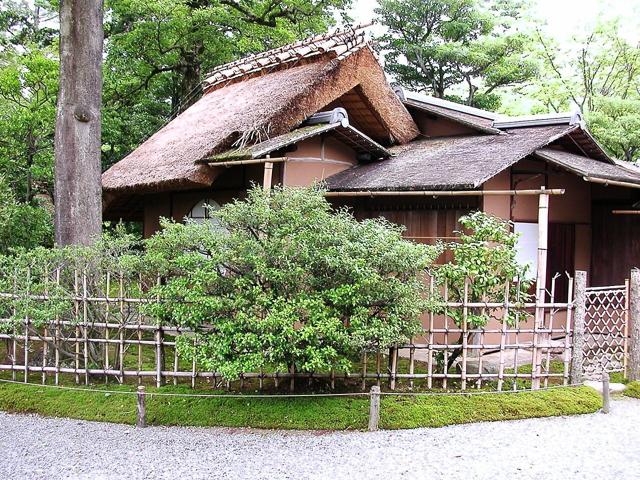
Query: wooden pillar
541, 279
580, 313
268, 174
374, 408
634, 327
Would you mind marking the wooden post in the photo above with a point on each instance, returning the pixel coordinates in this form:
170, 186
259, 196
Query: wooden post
606, 394
268, 174
374, 408
142, 422
580, 312
634, 327
541, 279
393, 359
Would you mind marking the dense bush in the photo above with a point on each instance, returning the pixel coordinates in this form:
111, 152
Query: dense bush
280, 280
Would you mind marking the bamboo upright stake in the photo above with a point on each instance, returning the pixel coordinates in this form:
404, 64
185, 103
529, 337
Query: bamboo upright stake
412, 352
45, 345
141, 421
543, 232
503, 336
374, 408
106, 330
14, 341
580, 312
634, 327
446, 337
625, 357
549, 336
393, 358
76, 310
606, 393
26, 332
465, 333
364, 371
122, 324
85, 323
567, 330
430, 344
57, 335
268, 174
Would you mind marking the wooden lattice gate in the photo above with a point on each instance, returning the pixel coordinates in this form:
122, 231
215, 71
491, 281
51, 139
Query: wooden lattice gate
606, 330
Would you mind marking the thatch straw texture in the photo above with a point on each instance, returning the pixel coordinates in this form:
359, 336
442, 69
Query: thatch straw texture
449, 162
472, 121
253, 110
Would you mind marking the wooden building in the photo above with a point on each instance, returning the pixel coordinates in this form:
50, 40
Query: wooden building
322, 110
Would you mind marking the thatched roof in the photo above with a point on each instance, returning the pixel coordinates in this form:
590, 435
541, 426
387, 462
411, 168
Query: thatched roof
587, 167
474, 122
341, 131
254, 109
464, 162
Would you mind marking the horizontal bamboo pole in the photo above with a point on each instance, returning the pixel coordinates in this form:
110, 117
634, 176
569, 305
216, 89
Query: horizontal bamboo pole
253, 161
614, 183
443, 193
626, 212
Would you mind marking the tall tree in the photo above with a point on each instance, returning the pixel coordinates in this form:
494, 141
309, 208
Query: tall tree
444, 47
78, 191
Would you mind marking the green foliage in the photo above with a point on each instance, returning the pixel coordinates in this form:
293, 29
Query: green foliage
22, 225
632, 390
484, 259
616, 124
439, 45
282, 280
342, 413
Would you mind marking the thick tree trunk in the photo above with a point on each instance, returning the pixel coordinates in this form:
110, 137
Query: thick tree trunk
78, 189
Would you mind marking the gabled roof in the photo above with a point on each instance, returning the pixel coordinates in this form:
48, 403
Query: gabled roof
448, 163
340, 130
588, 168
255, 108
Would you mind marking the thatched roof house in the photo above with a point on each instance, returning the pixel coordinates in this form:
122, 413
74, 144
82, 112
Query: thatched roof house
322, 109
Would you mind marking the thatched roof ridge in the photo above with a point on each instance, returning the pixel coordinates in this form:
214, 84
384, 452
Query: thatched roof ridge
587, 167
254, 109
447, 163
338, 43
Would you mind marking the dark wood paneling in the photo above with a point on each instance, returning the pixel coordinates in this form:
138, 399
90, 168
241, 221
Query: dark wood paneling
615, 247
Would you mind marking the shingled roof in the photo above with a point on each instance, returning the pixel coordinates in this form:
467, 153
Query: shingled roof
448, 163
250, 105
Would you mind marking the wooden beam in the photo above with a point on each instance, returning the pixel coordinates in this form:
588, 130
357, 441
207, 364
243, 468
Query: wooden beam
268, 174
253, 161
444, 193
541, 279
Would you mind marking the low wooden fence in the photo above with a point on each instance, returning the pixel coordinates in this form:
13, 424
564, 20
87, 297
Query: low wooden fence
107, 338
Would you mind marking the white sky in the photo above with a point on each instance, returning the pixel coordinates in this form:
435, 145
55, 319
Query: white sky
563, 18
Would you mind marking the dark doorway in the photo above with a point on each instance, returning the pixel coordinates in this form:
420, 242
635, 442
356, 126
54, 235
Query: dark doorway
561, 257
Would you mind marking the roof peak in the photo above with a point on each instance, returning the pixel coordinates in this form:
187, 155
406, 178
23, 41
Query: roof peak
339, 43
439, 102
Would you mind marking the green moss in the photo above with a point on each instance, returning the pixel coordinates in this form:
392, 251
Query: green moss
632, 390
330, 413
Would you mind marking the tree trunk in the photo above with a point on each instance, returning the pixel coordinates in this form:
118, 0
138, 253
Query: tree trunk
78, 189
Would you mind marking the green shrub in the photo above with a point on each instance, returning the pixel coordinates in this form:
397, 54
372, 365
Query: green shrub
281, 280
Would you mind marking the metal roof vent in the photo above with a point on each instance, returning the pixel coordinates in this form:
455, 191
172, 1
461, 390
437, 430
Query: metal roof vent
399, 91
337, 115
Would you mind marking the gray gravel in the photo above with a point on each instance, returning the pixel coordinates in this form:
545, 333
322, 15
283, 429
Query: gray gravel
584, 447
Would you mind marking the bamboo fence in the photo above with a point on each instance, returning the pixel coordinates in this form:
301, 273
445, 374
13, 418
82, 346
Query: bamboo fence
106, 337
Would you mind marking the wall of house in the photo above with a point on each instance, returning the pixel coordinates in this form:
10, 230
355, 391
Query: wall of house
434, 126
316, 159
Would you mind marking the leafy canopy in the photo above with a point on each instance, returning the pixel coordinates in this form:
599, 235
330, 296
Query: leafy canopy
443, 47
281, 280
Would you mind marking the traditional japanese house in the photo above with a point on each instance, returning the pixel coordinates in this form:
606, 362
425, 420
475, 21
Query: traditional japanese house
322, 110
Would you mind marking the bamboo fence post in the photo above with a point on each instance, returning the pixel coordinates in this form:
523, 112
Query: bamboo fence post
577, 352
625, 353
14, 341
412, 352
122, 325
26, 330
445, 355
193, 366
374, 408
430, 340
76, 310
141, 421
85, 323
268, 173
543, 229
606, 393
549, 336
465, 333
634, 327
393, 358
378, 366
503, 335
159, 356
45, 345
106, 329
364, 371
567, 330
57, 334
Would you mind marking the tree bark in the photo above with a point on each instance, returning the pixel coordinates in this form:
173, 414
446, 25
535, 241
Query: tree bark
78, 189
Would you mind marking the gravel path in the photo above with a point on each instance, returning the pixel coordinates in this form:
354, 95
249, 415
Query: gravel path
584, 447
